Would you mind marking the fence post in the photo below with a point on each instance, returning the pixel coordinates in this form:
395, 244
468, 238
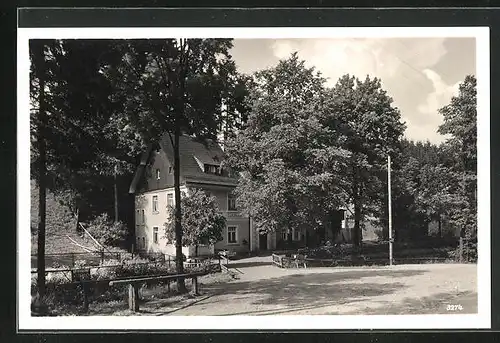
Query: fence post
461, 250
85, 296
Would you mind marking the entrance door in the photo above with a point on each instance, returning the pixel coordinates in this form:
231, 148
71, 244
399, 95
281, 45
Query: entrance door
263, 242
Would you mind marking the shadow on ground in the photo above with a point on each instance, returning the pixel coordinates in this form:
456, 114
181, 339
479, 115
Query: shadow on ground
297, 292
441, 303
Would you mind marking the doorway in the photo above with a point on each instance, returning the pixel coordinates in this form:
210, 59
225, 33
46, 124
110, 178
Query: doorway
263, 242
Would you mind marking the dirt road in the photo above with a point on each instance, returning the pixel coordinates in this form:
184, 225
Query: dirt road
263, 289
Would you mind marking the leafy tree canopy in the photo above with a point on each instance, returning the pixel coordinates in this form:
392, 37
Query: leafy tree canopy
202, 221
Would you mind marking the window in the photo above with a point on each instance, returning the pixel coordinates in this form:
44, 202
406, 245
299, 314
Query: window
284, 235
143, 217
139, 217
155, 234
231, 234
170, 170
143, 243
231, 202
170, 199
157, 174
296, 235
138, 242
155, 203
213, 169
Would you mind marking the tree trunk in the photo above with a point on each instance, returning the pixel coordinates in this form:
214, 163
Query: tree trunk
115, 184
42, 210
356, 231
440, 227
179, 261
356, 239
179, 93
42, 182
77, 215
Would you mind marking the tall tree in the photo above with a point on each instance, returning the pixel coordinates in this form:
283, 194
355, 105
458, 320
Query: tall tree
422, 190
38, 123
460, 123
174, 87
372, 128
289, 162
70, 106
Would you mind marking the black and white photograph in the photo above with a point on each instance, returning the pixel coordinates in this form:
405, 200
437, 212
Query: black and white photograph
290, 179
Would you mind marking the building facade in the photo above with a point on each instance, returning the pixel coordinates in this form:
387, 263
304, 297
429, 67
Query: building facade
201, 168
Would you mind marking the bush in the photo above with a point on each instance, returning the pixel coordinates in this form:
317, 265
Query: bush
108, 232
469, 253
43, 305
80, 264
105, 271
62, 293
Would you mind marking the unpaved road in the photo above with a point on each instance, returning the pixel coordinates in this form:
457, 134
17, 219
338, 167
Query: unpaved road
263, 289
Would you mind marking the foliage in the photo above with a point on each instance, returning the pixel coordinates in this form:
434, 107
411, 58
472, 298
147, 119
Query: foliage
77, 131
59, 217
372, 128
437, 183
467, 254
460, 123
290, 164
106, 270
202, 221
106, 231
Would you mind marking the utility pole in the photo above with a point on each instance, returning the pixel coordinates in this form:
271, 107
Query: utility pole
390, 206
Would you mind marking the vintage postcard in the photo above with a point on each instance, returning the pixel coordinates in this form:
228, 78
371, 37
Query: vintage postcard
284, 178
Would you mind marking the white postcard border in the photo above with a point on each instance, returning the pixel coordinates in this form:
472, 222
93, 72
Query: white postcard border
453, 321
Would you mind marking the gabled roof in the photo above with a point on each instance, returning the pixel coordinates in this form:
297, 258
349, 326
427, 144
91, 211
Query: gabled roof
192, 154
190, 151
139, 172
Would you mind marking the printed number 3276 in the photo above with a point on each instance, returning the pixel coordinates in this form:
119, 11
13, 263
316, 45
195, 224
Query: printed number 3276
454, 308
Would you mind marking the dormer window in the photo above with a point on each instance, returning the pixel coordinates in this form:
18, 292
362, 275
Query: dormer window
213, 169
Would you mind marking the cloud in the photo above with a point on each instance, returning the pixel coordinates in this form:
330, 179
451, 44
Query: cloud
382, 57
428, 115
405, 67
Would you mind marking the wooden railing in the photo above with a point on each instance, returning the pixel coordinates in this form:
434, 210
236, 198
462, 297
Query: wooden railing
135, 283
284, 261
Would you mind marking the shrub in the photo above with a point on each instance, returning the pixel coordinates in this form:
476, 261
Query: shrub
108, 232
43, 305
79, 264
469, 253
105, 271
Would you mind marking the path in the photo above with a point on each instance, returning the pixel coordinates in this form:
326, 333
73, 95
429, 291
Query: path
264, 289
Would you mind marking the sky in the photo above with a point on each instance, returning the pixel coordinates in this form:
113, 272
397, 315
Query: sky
420, 74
